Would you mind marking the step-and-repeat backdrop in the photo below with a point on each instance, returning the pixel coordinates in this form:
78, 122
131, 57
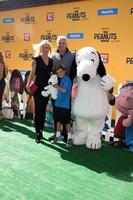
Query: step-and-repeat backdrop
104, 25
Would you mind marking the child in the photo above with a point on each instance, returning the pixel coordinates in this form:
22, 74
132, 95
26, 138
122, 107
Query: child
62, 105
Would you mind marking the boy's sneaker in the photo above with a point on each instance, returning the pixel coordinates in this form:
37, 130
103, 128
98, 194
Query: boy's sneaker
52, 137
69, 143
56, 139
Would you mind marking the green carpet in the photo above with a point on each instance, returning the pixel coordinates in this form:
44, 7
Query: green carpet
30, 171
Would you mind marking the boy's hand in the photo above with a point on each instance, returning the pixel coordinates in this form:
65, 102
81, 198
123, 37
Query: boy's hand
56, 86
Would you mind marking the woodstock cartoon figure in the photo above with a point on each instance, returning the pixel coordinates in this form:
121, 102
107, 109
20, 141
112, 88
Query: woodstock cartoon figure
90, 105
49, 89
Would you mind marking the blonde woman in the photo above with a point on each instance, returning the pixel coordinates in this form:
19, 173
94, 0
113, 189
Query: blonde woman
41, 71
2, 82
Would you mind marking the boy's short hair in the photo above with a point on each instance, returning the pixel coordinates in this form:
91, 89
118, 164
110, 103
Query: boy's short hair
59, 67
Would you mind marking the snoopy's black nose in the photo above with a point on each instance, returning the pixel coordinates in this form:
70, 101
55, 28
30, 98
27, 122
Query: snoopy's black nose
85, 77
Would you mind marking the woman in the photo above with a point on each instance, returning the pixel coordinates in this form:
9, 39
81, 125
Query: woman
41, 71
2, 82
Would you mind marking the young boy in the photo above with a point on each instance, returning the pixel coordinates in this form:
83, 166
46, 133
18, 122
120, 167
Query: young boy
62, 105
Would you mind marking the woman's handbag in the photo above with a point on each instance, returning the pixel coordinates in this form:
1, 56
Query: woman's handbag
33, 88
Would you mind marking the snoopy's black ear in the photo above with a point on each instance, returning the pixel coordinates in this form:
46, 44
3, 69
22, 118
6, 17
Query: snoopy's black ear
101, 69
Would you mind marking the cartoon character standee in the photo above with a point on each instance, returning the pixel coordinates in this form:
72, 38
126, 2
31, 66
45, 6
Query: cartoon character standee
30, 106
16, 86
124, 126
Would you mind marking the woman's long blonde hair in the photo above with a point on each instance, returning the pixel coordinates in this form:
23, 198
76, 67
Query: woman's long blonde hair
37, 47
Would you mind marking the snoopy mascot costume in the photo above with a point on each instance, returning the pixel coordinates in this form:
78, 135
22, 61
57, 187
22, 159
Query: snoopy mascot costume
90, 106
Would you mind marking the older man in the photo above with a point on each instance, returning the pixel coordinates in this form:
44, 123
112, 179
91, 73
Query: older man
63, 56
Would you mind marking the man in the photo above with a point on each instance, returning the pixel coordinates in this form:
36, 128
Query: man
63, 56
